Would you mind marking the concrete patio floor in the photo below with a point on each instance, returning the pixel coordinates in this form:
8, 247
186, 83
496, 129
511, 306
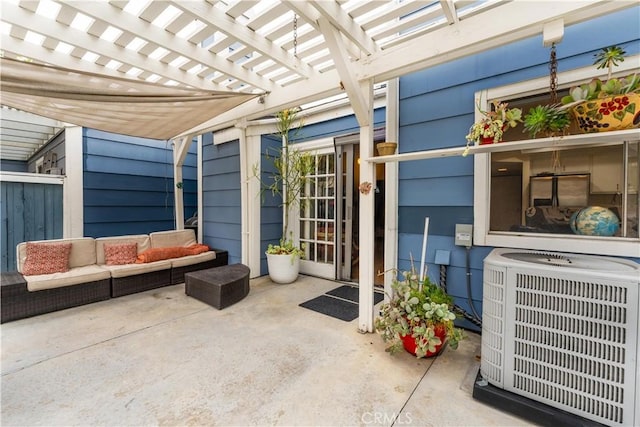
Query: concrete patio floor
162, 358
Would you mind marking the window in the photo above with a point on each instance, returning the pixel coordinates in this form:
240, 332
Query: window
541, 197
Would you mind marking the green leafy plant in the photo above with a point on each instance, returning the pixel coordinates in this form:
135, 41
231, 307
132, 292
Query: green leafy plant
494, 122
607, 58
550, 120
291, 175
417, 308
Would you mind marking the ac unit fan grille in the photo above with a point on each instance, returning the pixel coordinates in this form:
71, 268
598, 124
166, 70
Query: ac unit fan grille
493, 325
570, 340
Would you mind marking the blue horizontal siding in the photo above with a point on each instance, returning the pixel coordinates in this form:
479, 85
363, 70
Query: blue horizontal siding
439, 191
13, 166
341, 126
129, 186
225, 198
435, 168
222, 181
431, 134
442, 219
222, 217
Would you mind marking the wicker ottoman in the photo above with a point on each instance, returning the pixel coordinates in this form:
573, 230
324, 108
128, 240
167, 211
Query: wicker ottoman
219, 287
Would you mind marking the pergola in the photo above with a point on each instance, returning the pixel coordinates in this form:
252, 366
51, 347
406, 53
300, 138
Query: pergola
281, 53
289, 52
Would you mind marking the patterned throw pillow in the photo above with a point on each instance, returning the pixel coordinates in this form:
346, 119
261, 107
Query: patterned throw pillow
120, 253
46, 258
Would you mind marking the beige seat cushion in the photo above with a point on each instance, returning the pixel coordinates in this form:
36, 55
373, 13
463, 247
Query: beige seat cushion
193, 259
83, 251
167, 239
75, 276
126, 270
142, 240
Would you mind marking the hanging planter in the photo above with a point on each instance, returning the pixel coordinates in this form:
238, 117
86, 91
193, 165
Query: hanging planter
609, 105
493, 124
617, 112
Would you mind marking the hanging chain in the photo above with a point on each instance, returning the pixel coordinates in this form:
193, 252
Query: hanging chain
295, 35
553, 99
553, 76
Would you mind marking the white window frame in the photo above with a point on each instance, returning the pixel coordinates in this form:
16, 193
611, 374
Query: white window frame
616, 246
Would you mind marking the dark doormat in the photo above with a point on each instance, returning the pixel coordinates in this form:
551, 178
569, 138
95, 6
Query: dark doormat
334, 307
352, 294
340, 303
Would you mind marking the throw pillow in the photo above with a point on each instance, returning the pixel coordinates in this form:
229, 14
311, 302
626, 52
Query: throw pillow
196, 249
158, 254
120, 253
46, 258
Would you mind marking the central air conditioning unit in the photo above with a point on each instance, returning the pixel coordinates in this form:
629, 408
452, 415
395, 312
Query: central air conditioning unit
562, 329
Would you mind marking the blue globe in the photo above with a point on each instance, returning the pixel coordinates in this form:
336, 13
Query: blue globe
594, 221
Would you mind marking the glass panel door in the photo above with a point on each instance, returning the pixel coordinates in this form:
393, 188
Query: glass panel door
317, 218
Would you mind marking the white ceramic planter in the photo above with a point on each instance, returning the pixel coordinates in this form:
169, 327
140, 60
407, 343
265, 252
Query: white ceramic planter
283, 268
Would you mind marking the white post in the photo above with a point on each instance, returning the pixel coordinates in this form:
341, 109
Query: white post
200, 195
423, 270
391, 190
251, 200
367, 214
73, 211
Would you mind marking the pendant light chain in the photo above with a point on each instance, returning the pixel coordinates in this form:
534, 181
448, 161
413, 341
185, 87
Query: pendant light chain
295, 35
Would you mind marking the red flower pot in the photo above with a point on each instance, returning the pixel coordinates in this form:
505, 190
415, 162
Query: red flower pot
489, 139
409, 342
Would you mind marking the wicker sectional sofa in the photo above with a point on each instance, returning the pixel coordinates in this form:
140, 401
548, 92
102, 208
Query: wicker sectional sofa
91, 278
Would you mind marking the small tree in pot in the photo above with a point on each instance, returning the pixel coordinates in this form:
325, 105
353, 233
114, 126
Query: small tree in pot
292, 169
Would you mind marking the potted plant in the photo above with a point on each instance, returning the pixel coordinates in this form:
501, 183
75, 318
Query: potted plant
549, 120
606, 105
417, 317
292, 168
494, 123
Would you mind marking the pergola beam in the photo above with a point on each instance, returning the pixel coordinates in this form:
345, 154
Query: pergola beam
106, 12
472, 35
220, 20
19, 18
343, 65
332, 12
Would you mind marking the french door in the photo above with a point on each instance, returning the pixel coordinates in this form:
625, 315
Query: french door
326, 215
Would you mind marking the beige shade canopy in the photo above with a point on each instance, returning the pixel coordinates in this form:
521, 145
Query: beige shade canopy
108, 103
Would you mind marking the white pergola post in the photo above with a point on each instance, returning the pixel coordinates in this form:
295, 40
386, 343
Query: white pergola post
250, 199
180, 150
367, 215
391, 189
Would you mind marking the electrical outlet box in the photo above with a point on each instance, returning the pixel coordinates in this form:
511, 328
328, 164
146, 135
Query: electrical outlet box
464, 233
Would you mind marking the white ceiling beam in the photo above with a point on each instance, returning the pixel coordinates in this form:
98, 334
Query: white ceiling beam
449, 10
311, 15
420, 54
160, 37
18, 17
46, 56
224, 23
472, 35
333, 13
20, 116
322, 86
343, 65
